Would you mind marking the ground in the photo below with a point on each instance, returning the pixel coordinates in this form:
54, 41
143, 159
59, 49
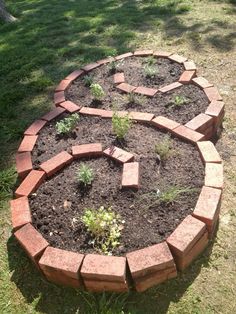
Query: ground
50, 39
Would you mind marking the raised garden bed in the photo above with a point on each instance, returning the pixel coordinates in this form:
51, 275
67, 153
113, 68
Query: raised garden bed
162, 182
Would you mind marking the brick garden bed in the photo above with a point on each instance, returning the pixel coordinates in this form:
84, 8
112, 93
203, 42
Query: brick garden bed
146, 266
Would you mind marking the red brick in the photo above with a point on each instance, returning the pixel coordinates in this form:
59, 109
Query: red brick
212, 93
94, 111
104, 61
101, 286
119, 78
62, 267
124, 55
90, 66
208, 207
188, 134
118, 154
20, 212
87, 150
56, 163
208, 152
143, 53
183, 238
127, 88
104, 268
131, 175
106, 113
74, 75
165, 123
145, 91
170, 87
23, 164
30, 183
35, 127
190, 66
202, 82
141, 116
27, 143
59, 97
150, 260
214, 175
177, 58
64, 84
187, 76
216, 109
209, 132
32, 241
162, 54
69, 106
53, 113
200, 123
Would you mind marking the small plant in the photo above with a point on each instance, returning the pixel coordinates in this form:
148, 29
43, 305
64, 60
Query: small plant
150, 60
131, 98
171, 194
179, 101
88, 80
112, 66
105, 225
97, 91
85, 175
150, 71
67, 125
121, 125
163, 148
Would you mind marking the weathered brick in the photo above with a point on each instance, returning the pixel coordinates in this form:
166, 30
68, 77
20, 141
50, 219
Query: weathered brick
127, 88
190, 66
131, 175
124, 55
214, 175
162, 54
106, 60
62, 267
23, 163
183, 238
143, 53
119, 78
87, 150
101, 286
200, 123
69, 106
27, 144
146, 91
63, 85
31, 241
20, 212
35, 127
53, 113
177, 58
209, 132
170, 87
56, 163
30, 183
216, 110
188, 134
208, 152
74, 75
90, 66
202, 82
208, 207
165, 123
187, 76
94, 111
141, 116
212, 93
118, 154
59, 97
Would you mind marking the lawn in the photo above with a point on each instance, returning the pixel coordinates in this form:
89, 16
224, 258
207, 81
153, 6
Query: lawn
48, 41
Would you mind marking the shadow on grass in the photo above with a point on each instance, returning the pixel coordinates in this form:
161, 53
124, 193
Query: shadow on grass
51, 299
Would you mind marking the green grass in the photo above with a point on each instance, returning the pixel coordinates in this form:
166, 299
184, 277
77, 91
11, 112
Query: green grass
49, 40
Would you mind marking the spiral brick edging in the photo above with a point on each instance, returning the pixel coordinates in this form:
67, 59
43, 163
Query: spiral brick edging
146, 267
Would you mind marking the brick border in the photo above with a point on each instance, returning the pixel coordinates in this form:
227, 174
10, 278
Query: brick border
146, 267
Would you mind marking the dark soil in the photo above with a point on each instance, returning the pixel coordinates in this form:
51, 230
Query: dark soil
59, 203
161, 104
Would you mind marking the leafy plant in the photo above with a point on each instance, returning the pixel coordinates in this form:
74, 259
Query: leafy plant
171, 194
179, 101
120, 125
112, 66
105, 225
163, 148
67, 124
150, 71
88, 80
85, 175
97, 91
132, 98
150, 60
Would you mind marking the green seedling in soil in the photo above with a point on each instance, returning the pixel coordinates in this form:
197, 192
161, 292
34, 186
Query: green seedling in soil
88, 80
150, 71
150, 60
97, 91
132, 98
121, 125
85, 175
68, 124
105, 226
163, 148
178, 101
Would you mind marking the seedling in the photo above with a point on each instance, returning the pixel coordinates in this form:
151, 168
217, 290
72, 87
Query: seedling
85, 175
150, 60
120, 125
163, 148
112, 66
171, 194
105, 226
150, 71
132, 98
68, 124
179, 101
88, 80
97, 91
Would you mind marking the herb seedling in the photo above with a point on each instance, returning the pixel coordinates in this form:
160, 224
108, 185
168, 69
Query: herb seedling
88, 80
120, 125
171, 194
97, 91
150, 71
85, 175
178, 101
105, 226
150, 60
68, 124
163, 148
